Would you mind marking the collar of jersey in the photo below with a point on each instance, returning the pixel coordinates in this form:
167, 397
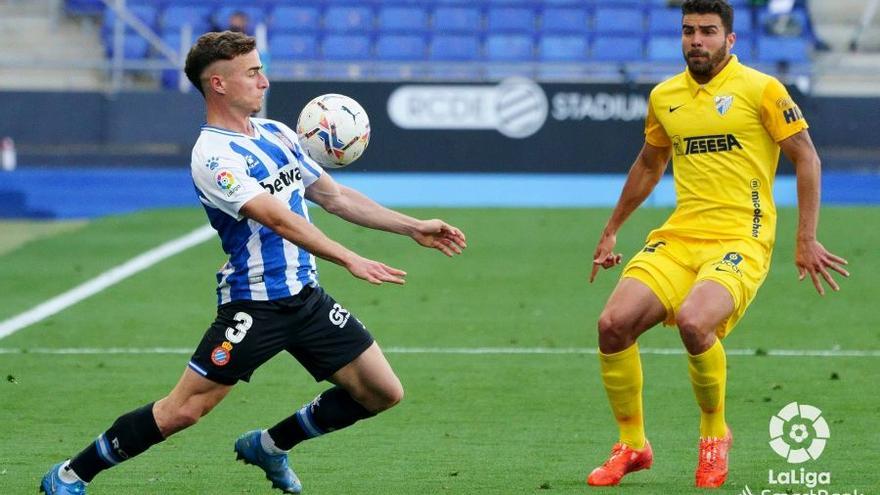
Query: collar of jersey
222, 130
715, 83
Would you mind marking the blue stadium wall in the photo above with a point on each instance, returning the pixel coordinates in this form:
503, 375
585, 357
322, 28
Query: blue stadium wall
513, 126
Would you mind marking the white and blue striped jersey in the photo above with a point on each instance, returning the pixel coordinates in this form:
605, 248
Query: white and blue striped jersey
228, 170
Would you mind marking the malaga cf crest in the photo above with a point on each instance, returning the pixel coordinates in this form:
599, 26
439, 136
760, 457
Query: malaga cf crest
722, 104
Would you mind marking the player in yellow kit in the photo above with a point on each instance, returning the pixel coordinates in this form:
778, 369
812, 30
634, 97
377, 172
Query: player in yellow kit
723, 124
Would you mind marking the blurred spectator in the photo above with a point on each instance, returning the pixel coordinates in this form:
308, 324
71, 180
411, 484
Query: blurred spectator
781, 22
867, 18
238, 22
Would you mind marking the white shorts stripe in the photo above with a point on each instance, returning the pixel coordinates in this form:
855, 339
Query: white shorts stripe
198, 369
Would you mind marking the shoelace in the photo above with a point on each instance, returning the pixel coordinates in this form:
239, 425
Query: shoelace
710, 455
616, 451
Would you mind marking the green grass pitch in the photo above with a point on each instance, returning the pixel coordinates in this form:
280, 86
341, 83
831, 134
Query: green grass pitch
470, 423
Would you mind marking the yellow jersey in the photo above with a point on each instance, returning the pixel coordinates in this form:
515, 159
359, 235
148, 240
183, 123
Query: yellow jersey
724, 137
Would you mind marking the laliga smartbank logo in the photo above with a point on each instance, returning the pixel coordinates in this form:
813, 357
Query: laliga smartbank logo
798, 433
516, 107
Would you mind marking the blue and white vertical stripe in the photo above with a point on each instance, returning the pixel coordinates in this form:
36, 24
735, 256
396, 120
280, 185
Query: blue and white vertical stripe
262, 266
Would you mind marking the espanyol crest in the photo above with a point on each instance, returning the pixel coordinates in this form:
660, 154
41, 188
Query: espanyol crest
722, 104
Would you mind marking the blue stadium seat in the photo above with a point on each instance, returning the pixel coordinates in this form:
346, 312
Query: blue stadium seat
288, 46
735, 3
175, 16
148, 14
743, 49
457, 19
618, 3
783, 49
742, 24
510, 47
172, 39
455, 47
255, 15
617, 49
171, 78
348, 18
664, 21
665, 49
565, 20
401, 47
619, 20
295, 18
401, 18
84, 7
562, 48
346, 47
134, 47
517, 19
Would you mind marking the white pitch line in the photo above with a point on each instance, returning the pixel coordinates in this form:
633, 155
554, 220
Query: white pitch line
104, 280
465, 351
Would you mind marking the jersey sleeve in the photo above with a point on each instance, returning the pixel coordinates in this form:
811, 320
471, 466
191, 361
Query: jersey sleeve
223, 182
655, 134
310, 169
779, 113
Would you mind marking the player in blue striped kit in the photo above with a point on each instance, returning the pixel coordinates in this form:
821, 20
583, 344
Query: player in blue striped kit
253, 178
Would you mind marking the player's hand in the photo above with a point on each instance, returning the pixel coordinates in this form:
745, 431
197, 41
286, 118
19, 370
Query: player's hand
604, 255
439, 235
812, 257
375, 272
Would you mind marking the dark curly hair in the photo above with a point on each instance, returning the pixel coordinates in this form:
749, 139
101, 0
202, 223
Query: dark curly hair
211, 47
720, 7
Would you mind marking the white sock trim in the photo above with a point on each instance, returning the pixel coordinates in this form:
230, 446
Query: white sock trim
269, 444
67, 475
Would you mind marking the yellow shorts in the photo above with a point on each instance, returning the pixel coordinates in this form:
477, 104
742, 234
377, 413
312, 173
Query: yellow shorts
670, 265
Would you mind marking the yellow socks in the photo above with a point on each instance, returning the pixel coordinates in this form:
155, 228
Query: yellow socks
622, 377
708, 372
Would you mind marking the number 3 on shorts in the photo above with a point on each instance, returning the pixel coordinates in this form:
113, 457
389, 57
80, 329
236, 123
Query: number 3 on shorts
243, 322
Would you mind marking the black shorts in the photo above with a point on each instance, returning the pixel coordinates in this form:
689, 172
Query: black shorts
321, 334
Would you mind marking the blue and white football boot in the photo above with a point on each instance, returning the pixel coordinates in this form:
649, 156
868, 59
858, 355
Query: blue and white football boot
249, 450
53, 485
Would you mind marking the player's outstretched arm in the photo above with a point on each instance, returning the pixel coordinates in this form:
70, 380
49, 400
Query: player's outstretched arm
811, 257
643, 176
273, 214
355, 207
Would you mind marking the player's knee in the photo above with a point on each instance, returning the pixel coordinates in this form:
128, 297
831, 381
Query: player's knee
695, 333
613, 329
184, 416
607, 325
389, 397
690, 324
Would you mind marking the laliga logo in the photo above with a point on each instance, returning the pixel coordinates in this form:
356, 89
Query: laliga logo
517, 107
798, 433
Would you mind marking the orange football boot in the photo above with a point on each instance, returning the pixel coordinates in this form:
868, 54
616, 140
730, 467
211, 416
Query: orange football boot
712, 467
624, 459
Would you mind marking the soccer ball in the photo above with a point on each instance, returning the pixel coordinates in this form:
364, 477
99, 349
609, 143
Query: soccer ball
334, 130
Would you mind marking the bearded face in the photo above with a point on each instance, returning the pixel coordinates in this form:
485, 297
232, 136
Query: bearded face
704, 43
703, 62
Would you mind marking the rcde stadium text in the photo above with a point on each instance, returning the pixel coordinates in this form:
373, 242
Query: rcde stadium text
599, 106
